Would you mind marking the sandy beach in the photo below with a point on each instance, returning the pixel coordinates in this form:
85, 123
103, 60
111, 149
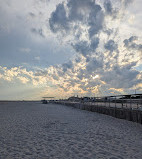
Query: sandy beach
31, 130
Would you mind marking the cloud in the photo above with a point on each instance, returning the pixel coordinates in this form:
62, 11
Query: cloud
22, 75
111, 46
82, 47
107, 49
131, 44
38, 31
74, 13
119, 76
32, 14
92, 29
58, 20
85, 48
108, 7
23, 79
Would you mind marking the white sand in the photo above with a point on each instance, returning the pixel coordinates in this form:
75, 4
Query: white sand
38, 131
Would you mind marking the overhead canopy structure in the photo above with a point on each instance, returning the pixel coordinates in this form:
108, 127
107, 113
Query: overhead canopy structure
47, 97
45, 101
121, 95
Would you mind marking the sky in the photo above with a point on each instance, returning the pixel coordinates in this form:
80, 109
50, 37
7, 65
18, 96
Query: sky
63, 48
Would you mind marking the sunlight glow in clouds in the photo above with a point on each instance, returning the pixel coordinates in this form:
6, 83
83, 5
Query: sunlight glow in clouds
98, 41
97, 76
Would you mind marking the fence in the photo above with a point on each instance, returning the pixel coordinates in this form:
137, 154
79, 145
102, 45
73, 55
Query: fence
129, 109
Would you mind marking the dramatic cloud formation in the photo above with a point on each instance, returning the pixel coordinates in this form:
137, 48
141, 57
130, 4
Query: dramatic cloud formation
82, 47
103, 54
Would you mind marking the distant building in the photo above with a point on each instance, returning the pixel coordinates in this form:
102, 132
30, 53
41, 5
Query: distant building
74, 99
82, 99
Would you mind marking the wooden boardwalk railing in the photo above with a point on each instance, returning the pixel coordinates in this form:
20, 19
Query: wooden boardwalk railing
127, 113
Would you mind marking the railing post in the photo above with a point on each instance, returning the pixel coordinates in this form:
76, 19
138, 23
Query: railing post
115, 101
141, 100
130, 102
122, 102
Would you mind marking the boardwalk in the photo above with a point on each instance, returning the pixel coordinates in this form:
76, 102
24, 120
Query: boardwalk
119, 105
37, 131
